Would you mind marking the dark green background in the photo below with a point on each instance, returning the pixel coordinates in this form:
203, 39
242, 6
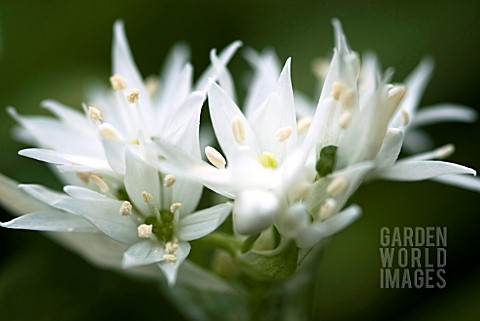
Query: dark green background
52, 49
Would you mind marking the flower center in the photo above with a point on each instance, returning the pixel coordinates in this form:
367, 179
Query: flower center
162, 226
267, 160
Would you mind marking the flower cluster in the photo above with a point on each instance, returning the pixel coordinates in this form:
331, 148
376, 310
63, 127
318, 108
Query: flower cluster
134, 171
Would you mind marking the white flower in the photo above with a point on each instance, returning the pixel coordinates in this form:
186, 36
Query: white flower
280, 174
127, 114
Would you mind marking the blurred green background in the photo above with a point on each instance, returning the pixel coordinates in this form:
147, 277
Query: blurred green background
53, 49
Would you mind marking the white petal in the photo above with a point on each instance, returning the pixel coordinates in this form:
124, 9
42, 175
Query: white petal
201, 223
463, 181
15, 200
170, 269
41, 193
443, 113
124, 65
223, 111
60, 158
319, 230
143, 253
183, 127
420, 170
392, 144
188, 193
51, 220
115, 154
415, 83
276, 113
104, 214
223, 75
225, 56
265, 78
141, 177
65, 113
84, 193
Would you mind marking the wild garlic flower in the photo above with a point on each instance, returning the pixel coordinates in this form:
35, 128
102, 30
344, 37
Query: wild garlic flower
297, 173
106, 159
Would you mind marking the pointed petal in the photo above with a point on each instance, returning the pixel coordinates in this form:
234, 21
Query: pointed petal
41, 193
223, 111
266, 72
463, 181
225, 56
416, 83
141, 177
319, 230
101, 211
16, 200
60, 158
420, 170
143, 253
223, 75
170, 269
201, 223
279, 109
51, 220
443, 113
188, 193
392, 144
65, 113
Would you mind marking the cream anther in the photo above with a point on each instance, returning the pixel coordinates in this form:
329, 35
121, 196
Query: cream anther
337, 186
126, 208
171, 247
152, 84
110, 132
169, 180
215, 158
327, 208
238, 129
100, 183
304, 124
133, 96
396, 93
170, 257
147, 197
405, 117
320, 67
283, 133
445, 151
337, 88
344, 119
94, 113
117, 82
144, 230
175, 207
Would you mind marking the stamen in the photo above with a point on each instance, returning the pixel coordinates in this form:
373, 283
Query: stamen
405, 117
267, 160
215, 158
100, 183
337, 186
170, 257
396, 93
94, 113
84, 176
117, 82
175, 207
445, 151
347, 97
283, 133
327, 209
171, 247
344, 119
144, 230
320, 67
126, 208
147, 197
304, 124
301, 190
152, 84
110, 132
133, 96
238, 129
169, 180
337, 88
